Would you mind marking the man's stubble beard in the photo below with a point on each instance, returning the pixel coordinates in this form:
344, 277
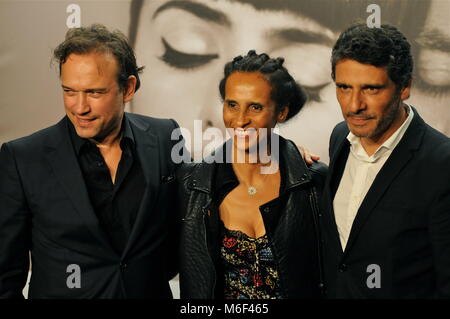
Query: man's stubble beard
386, 119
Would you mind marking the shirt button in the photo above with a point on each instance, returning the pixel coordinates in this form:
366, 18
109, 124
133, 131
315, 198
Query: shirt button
99, 164
266, 209
123, 266
342, 268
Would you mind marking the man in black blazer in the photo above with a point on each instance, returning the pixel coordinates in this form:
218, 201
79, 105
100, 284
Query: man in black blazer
89, 199
386, 219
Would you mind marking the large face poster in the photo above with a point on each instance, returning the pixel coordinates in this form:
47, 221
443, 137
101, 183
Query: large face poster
184, 45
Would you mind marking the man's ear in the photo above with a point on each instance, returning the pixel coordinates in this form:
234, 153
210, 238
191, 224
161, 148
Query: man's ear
405, 92
283, 114
130, 88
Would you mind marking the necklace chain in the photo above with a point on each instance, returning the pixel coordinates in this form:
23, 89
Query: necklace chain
252, 189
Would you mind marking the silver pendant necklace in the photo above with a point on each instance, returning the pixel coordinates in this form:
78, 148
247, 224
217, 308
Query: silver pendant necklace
251, 190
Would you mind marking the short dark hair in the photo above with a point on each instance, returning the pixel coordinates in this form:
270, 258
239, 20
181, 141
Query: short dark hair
285, 90
97, 38
381, 47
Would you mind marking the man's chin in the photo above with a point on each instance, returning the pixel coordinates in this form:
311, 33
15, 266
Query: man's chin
359, 131
85, 133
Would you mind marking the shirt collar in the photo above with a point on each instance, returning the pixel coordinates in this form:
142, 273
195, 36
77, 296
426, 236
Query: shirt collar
127, 131
358, 150
79, 142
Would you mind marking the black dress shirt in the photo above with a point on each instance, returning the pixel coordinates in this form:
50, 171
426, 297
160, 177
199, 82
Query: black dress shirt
115, 204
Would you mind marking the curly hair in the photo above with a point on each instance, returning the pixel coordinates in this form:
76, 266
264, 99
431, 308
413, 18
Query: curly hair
285, 90
381, 47
97, 38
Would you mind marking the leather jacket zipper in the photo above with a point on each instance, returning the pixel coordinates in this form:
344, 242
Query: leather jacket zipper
316, 214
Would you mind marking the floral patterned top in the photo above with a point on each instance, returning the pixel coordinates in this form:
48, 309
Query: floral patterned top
249, 267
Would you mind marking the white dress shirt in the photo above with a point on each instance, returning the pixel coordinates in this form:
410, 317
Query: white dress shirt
359, 173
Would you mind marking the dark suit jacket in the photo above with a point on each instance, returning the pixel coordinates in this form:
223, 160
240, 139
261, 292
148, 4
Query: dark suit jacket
402, 225
45, 210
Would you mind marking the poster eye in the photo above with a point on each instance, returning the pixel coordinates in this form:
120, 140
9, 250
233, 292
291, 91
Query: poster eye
182, 60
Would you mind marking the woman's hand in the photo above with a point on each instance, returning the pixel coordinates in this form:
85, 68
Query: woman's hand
307, 156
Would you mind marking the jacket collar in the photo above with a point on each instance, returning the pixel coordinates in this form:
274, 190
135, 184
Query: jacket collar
79, 142
296, 171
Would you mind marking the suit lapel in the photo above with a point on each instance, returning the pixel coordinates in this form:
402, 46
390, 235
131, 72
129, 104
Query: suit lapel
396, 162
62, 159
336, 169
147, 147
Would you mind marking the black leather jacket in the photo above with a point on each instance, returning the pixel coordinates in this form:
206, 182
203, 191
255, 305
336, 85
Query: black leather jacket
293, 230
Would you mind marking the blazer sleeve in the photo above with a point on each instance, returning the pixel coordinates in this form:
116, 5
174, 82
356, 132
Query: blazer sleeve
440, 223
15, 228
174, 211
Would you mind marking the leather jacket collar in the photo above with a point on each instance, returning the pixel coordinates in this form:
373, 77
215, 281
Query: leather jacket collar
296, 169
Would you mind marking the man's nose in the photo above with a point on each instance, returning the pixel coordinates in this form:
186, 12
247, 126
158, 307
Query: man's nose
82, 104
356, 103
242, 118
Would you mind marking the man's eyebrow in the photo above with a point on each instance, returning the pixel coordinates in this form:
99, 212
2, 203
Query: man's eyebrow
99, 90
364, 86
87, 90
302, 36
198, 9
342, 84
374, 86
